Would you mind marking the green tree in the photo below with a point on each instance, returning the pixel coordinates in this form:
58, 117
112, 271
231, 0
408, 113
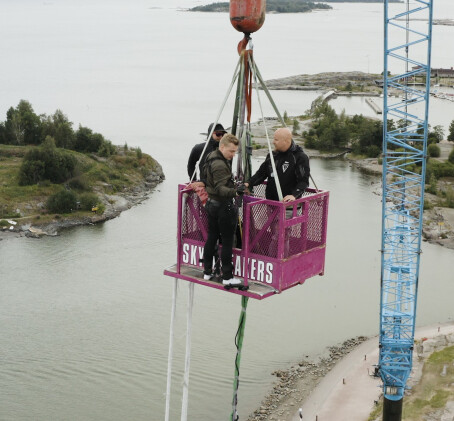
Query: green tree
31, 123
14, 130
439, 133
451, 132
22, 125
60, 128
83, 139
62, 202
87, 141
2, 132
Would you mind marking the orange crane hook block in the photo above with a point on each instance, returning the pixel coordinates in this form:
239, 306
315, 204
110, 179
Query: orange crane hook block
247, 16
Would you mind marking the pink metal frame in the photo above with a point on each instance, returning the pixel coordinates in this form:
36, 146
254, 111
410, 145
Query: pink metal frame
282, 244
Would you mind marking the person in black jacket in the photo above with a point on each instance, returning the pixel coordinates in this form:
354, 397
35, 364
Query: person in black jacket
196, 153
221, 209
292, 166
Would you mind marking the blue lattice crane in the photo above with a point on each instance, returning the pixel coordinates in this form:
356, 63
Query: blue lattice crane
407, 54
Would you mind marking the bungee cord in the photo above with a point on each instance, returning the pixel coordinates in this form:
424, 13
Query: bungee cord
170, 356
187, 363
239, 345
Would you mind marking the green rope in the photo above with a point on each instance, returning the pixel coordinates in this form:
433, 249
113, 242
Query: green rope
239, 344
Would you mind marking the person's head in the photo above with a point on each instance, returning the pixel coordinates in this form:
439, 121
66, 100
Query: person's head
282, 139
218, 131
228, 146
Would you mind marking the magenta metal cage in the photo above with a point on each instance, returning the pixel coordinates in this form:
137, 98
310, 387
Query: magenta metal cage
280, 245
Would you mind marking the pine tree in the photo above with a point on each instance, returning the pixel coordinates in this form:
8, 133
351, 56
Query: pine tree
296, 126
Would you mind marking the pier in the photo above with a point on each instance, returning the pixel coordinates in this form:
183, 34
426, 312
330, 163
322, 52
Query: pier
374, 106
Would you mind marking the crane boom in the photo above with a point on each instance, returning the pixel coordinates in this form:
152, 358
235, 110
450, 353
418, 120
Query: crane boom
407, 45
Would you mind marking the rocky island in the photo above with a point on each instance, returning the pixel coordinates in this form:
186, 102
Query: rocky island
52, 177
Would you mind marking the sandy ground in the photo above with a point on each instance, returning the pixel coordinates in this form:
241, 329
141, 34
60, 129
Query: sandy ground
349, 391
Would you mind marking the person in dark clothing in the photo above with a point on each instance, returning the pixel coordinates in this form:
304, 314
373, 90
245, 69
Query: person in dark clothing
196, 153
292, 166
220, 207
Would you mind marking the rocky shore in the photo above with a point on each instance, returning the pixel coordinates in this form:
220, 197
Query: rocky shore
327, 81
296, 383
114, 205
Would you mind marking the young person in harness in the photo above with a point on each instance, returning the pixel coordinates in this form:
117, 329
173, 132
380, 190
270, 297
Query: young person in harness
221, 209
292, 166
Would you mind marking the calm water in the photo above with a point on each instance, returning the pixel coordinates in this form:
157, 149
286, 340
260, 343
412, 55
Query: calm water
84, 317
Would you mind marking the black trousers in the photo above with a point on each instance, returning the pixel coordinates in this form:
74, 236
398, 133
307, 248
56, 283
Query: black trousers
222, 219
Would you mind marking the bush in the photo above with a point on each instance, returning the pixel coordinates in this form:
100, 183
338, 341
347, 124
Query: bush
101, 208
31, 172
79, 183
433, 150
4, 223
46, 163
451, 157
88, 201
373, 151
62, 202
450, 198
106, 149
432, 187
310, 143
440, 169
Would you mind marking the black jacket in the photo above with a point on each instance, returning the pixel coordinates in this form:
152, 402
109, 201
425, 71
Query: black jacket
292, 167
218, 177
196, 155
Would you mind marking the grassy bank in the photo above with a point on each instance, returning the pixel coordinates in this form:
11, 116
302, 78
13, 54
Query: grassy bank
94, 178
429, 397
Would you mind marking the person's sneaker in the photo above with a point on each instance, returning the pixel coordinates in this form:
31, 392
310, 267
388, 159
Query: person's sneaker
207, 277
232, 281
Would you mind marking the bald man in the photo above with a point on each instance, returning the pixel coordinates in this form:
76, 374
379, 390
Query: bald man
292, 166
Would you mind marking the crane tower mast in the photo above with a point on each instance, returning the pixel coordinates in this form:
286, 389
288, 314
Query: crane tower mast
407, 57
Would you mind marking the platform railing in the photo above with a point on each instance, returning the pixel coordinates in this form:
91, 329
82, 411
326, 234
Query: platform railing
279, 244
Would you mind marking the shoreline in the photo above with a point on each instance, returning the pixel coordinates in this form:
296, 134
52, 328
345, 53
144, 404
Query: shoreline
343, 387
296, 384
115, 204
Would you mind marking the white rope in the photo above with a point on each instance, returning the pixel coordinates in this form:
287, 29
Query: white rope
235, 75
273, 164
169, 360
187, 362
